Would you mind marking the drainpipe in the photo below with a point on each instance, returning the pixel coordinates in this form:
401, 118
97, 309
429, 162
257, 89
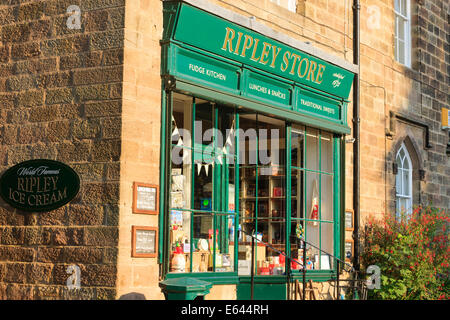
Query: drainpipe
356, 133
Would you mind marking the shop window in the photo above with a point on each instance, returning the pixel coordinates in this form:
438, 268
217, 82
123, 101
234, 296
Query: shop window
402, 32
403, 182
262, 194
210, 180
312, 195
202, 210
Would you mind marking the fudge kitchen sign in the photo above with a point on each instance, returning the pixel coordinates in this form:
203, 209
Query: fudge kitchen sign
39, 185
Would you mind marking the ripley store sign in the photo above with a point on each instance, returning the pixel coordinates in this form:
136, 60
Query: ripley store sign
39, 185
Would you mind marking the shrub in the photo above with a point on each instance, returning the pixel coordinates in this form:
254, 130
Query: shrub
412, 254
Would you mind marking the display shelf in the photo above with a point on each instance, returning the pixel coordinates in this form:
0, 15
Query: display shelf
269, 206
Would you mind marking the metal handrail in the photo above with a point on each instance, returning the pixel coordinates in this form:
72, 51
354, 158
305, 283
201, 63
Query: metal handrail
305, 243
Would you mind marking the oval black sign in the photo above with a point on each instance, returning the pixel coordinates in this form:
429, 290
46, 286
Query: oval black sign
39, 185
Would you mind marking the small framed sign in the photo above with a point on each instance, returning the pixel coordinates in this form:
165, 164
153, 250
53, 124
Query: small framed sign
144, 241
349, 220
349, 250
145, 198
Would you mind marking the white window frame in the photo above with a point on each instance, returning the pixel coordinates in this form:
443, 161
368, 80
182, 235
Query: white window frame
400, 170
406, 25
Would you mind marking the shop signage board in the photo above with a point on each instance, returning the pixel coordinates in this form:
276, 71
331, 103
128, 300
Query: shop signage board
221, 37
39, 185
145, 198
349, 220
318, 105
144, 242
211, 71
267, 89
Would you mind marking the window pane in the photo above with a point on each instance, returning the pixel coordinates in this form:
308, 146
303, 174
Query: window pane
224, 256
271, 142
401, 28
312, 149
327, 153
231, 190
326, 207
312, 213
312, 200
203, 185
297, 194
397, 5
297, 147
406, 163
406, 186
401, 51
312, 253
180, 189
203, 241
403, 7
204, 112
398, 182
180, 240
327, 236
297, 226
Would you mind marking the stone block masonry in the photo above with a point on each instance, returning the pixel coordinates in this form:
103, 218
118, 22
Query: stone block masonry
61, 99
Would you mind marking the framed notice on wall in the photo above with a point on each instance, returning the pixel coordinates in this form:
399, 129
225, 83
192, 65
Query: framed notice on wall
349, 220
145, 198
144, 241
349, 250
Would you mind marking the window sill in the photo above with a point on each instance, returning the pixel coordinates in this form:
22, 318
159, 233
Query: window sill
213, 277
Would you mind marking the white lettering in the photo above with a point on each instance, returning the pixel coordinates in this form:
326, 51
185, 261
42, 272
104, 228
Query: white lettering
31, 171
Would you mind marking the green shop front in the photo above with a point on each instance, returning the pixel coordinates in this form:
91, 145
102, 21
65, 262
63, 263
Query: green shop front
252, 151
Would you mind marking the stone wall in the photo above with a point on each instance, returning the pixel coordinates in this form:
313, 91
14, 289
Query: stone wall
417, 93
61, 99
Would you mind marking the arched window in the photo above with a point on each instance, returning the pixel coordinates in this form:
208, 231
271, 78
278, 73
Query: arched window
403, 181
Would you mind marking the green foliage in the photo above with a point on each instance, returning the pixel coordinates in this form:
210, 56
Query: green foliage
412, 253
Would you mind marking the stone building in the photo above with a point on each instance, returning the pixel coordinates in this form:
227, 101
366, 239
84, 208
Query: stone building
104, 85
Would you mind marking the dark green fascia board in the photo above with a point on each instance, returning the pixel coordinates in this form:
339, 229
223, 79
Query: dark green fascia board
213, 277
188, 88
244, 66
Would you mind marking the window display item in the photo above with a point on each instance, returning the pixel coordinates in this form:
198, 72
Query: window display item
186, 247
176, 218
299, 231
200, 261
202, 245
177, 199
226, 260
314, 215
277, 192
244, 267
177, 182
206, 204
178, 263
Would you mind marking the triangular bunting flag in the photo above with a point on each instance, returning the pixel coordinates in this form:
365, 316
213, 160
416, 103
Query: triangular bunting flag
175, 132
